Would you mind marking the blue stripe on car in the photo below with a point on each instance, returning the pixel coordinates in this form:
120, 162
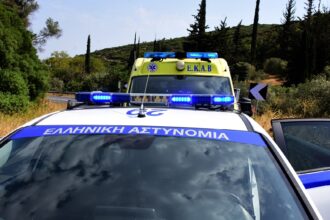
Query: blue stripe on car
317, 179
215, 134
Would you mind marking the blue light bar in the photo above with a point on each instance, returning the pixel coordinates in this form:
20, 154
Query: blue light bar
102, 97
159, 55
204, 55
193, 55
222, 100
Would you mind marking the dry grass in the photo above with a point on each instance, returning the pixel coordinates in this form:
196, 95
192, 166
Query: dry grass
10, 122
273, 80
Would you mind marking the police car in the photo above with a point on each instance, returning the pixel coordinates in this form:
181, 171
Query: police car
188, 159
306, 144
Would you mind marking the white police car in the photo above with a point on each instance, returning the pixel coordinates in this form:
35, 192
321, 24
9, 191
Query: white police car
99, 161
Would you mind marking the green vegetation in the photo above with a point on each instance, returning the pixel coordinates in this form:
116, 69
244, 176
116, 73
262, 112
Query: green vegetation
255, 33
309, 99
296, 51
276, 66
23, 78
88, 56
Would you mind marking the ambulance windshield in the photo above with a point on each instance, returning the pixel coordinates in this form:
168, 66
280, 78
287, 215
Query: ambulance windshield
182, 85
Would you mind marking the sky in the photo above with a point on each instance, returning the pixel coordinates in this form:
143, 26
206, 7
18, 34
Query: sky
113, 23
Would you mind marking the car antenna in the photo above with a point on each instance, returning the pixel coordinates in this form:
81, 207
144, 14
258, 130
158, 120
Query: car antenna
142, 113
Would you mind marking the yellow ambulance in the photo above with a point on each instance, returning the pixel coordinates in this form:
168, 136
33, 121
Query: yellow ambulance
181, 73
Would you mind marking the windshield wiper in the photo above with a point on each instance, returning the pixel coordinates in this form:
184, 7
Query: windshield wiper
254, 192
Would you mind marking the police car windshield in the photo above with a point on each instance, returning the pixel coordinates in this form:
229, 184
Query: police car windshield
141, 177
182, 84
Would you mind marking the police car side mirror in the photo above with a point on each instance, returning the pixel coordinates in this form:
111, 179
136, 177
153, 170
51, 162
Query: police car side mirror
246, 106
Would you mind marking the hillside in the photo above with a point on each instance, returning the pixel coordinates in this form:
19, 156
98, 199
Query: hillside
119, 55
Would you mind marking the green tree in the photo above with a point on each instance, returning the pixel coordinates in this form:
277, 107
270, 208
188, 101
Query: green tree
24, 8
132, 56
237, 44
88, 56
156, 45
197, 39
52, 29
255, 33
321, 36
70, 71
60, 54
286, 34
221, 40
137, 55
17, 52
308, 41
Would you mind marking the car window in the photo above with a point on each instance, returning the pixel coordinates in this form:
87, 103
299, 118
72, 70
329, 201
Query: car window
182, 85
307, 144
132, 176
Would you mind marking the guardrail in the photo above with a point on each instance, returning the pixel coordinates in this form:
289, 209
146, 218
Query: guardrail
59, 92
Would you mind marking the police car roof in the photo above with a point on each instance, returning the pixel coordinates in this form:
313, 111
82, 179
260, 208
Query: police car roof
154, 117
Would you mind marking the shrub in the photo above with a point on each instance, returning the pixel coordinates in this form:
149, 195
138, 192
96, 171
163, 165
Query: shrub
244, 87
326, 72
12, 82
242, 70
56, 85
256, 75
275, 66
309, 99
38, 84
101, 81
10, 104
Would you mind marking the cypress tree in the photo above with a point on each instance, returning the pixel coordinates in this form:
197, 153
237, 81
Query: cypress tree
255, 33
88, 56
221, 38
287, 29
237, 41
138, 49
154, 46
308, 41
202, 18
197, 38
132, 56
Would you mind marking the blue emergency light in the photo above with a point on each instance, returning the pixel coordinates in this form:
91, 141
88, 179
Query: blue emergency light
159, 55
102, 97
202, 55
178, 99
222, 100
99, 98
192, 55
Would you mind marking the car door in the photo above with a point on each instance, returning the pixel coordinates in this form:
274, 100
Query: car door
306, 144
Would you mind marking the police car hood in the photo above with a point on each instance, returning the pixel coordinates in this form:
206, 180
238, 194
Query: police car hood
153, 117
